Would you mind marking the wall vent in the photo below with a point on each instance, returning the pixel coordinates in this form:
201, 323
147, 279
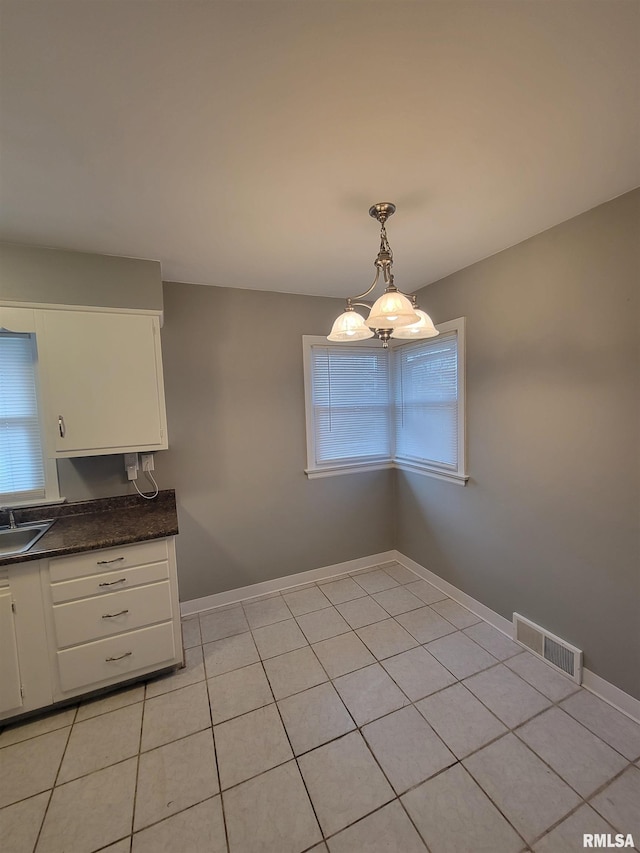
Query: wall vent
556, 652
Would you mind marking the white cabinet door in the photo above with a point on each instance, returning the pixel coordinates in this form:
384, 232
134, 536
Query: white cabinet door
104, 382
10, 692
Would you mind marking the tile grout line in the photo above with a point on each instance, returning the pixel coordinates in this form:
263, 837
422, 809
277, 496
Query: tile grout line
397, 796
576, 720
142, 684
138, 758
583, 800
64, 752
295, 758
33, 737
167, 817
215, 758
515, 730
561, 820
75, 779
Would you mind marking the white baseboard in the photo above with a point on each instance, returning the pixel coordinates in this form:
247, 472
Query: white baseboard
197, 605
611, 694
628, 705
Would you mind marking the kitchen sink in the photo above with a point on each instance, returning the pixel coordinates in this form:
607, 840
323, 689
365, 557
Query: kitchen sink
18, 539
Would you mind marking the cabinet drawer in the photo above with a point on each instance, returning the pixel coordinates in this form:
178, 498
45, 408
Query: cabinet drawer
104, 615
109, 582
92, 562
116, 657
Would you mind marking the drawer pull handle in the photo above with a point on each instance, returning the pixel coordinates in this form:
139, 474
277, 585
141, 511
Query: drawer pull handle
113, 615
125, 655
106, 562
111, 583
61, 427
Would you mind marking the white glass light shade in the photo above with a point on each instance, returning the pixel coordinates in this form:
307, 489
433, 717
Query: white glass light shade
392, 309
422, 329
349, 327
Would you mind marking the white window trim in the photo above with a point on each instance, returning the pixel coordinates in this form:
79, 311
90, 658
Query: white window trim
458, 476
317, 473
438, 472
432, 471
24, 320
313, 470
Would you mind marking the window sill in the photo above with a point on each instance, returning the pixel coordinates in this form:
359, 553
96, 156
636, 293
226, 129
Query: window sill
436, 473
34, 502
414, 468
317, 473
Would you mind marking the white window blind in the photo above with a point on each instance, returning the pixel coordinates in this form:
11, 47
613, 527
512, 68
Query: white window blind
350, 400
426, 402
22, 471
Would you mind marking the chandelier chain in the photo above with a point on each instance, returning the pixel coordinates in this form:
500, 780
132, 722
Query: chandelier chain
384, 242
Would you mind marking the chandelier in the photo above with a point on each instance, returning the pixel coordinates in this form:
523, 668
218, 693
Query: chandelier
394, 314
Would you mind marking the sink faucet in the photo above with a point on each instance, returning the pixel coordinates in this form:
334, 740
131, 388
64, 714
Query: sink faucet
12, 520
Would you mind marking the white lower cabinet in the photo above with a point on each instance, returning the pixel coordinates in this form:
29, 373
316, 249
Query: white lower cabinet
11, 693
25, 621
87, 621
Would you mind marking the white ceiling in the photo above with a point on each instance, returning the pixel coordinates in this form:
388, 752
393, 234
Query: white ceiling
242, 143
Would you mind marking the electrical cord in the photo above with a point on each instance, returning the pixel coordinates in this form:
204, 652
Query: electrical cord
147, 497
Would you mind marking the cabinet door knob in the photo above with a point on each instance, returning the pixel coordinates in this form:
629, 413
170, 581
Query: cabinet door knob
125, 655
61, 427
113, 615
111, 583
106, 562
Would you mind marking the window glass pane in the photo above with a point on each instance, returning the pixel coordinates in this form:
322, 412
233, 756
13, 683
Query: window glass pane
350, 397
21, 459
426, 401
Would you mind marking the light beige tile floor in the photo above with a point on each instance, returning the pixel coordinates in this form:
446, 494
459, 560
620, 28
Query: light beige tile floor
364, 714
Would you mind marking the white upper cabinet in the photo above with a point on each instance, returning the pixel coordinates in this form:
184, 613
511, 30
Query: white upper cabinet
102, 382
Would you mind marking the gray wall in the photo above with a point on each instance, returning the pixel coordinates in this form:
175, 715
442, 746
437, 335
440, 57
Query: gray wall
235, 404
548, 524
56, 276
90, 477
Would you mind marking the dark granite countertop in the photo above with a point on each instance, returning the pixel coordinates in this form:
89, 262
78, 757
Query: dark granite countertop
102, 523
